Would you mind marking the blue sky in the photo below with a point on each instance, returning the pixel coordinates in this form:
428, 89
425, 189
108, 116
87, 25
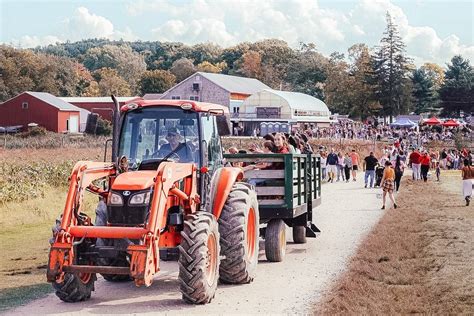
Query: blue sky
433, 31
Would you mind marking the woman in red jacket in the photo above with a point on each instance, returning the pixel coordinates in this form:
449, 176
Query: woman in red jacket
281, 145
425, 161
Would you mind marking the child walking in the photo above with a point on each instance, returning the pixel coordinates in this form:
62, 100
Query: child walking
388, 184
438, 171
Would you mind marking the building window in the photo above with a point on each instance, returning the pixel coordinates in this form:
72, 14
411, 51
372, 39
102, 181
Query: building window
195, 86
194, 98
24, 105
175, 97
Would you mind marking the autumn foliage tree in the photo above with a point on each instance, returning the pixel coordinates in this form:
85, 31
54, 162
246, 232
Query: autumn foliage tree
110, 82
182, 68
156, 81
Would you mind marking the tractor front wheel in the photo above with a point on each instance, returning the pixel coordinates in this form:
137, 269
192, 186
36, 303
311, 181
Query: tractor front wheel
199, 258
75, 287
238, 227
275, 240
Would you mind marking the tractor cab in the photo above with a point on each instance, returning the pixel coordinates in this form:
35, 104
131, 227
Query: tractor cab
152, 134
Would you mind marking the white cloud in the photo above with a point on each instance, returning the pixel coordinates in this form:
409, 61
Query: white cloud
34, 41
87, 25
423, 44
82, 25
201, 30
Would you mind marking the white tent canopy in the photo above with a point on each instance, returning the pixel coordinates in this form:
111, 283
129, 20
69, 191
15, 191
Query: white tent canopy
288, 106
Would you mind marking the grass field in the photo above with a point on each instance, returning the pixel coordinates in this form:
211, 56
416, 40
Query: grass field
25, 223
418, 259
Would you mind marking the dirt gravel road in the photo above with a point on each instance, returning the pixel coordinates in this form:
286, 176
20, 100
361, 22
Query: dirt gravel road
347, 213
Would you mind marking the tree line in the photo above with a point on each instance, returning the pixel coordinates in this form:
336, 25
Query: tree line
381, 80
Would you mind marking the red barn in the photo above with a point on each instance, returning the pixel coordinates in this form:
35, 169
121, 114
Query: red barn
42, 108
100, 105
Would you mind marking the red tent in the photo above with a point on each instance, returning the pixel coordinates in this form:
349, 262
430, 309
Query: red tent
432, 121
451, 123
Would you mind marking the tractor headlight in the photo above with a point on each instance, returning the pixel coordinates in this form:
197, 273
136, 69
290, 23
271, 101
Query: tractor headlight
115, 199
140, 199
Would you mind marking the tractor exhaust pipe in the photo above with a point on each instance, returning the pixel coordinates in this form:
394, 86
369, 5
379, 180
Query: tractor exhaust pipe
115, 128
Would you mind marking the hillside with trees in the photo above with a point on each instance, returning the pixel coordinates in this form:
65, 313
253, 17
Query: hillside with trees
361, 82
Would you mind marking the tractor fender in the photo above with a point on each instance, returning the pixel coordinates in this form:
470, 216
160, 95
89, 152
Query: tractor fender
221, 184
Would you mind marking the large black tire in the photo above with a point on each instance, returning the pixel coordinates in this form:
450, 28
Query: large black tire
74, 289
275, 240
238, 227
299, 234
121, 261
199, 258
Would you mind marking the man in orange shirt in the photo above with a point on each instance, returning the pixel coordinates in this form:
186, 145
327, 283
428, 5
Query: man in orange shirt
355, 163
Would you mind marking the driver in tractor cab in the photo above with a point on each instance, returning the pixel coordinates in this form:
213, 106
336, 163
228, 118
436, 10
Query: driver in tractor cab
174, 141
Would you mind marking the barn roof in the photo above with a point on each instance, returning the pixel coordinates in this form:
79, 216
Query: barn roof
235, 84
95, 99
61, 105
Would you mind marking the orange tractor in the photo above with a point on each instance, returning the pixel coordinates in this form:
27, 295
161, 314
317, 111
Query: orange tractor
166, 189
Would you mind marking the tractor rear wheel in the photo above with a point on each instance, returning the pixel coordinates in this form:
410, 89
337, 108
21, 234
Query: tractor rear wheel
299, 234
275, 240
75, 287
238, 227
199, 258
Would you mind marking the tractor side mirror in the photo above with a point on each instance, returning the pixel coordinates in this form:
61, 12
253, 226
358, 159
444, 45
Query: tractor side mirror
223, 125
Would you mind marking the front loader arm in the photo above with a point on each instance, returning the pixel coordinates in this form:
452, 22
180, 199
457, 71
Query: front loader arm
61, 252
83, 174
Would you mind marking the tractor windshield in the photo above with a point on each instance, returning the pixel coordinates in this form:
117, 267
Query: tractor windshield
160, 132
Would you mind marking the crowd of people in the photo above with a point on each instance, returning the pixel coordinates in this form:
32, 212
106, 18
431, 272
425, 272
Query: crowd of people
415, 136
384, 171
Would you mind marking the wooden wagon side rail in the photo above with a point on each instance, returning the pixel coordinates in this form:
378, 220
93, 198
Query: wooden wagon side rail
293, 186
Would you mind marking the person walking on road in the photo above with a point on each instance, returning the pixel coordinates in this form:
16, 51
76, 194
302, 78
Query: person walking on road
355, 164
425, 161
388, 180
415, 164
369, 167
332, 165
340, 167
399, 168
467, 173
347, 166
323, 165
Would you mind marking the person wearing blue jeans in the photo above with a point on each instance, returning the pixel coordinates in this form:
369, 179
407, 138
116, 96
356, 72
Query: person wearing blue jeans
370, 162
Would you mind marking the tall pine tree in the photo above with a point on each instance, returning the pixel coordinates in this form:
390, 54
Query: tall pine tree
424, 92
392, 68
457, 92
